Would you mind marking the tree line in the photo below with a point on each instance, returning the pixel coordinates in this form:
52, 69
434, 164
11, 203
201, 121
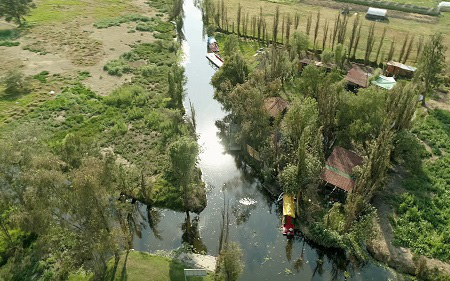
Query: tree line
342, 30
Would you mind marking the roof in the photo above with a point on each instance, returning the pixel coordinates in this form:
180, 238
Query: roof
402, 66
377, 12
358, 76
384, 82
444, 4
275, 106
339, 167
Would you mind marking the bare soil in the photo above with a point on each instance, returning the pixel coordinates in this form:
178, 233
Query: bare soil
68, 48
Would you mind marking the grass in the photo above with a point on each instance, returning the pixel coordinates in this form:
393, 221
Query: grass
422, 216
397, 28
142, 267
50, 11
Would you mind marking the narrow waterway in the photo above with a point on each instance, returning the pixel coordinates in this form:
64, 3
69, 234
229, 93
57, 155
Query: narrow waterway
254, 215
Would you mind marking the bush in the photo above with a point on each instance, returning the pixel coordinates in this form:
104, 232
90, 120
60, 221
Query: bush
42, 77
119, 20
117, 67
15, 83
124, 96
9, 43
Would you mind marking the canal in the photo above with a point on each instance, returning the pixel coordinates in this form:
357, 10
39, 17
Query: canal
254, 215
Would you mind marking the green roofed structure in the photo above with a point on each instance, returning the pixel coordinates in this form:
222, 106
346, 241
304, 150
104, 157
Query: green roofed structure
384, 82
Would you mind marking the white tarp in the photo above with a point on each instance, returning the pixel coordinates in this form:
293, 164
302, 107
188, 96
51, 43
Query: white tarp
377, 12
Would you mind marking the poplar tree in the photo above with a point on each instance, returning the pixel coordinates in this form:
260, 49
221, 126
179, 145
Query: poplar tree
296, 20
381, 44
370, 43
316, 30
276, 19
402, 50
355, 48
353, 35
308, 24
431, 64
408, 51
391, 50
238, 19
325, 34
419, 47
288, 29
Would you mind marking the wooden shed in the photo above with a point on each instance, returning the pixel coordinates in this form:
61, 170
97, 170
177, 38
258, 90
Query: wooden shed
339, 167
399, 69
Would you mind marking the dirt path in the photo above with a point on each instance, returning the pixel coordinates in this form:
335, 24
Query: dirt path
68, 48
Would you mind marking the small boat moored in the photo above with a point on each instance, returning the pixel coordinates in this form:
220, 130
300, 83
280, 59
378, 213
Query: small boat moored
212, 45
215, 59
288, 215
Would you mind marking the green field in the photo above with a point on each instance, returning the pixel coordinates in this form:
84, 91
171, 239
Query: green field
422, 212
143, 267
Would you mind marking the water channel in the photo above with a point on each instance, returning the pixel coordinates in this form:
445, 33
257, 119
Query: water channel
255, 216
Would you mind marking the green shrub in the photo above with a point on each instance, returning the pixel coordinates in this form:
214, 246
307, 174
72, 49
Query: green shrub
9, 34
117, 21
42, 76
149, 27
124, 96
117, 67
9, 43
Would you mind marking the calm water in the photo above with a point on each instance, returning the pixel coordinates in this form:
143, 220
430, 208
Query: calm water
255, 217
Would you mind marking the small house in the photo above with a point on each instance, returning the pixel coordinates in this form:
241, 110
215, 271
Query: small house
339, 168
399, 69
357, 77
376, 14
275, 106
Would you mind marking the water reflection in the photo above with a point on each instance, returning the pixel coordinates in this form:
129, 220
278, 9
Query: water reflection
256, 226
191, 234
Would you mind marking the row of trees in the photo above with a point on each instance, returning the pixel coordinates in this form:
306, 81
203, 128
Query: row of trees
333, 34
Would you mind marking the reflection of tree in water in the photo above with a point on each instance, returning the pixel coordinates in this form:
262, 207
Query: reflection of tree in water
242, 212
319, 263
298, 264
191, 234
154, 217
136, 219
289, 244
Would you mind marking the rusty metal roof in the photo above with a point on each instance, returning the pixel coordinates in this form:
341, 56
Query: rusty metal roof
339, 167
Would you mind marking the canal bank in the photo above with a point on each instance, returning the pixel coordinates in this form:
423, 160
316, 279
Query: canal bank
255, 214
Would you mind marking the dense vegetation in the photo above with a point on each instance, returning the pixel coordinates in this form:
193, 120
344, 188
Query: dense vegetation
73, 165
323, 114
423, 210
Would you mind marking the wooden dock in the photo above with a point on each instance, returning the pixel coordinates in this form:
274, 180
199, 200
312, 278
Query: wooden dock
214, 59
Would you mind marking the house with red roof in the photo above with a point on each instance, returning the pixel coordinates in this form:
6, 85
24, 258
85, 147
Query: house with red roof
339, 168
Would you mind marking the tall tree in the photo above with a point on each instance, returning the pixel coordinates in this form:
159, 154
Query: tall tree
238, 19
15, 10
408, 51
183, 158
276, 19
316, 30
353, 34
371, 175
402, 50
229, 263
300, 44
370, 43
381, 44
432, 64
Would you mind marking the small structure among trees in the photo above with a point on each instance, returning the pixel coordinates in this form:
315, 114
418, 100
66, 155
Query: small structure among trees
275, 106
339, 167
399, 69
357, 77
376, 14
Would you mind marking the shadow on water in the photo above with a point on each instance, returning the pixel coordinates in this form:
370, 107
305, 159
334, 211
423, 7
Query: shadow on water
191, 234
